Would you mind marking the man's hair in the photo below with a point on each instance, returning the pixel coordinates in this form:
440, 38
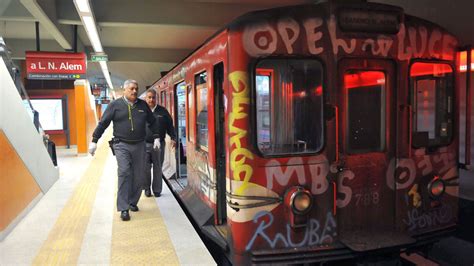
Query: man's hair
128, 82
151, 90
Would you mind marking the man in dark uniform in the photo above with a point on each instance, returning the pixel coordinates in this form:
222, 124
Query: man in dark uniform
155, 157
131, 117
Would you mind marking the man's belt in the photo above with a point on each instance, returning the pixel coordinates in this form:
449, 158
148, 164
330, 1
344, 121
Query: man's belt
128, 141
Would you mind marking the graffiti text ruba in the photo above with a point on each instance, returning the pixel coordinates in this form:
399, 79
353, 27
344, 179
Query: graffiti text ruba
315, 234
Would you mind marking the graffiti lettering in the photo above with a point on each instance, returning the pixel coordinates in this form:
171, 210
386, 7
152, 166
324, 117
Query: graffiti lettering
289, 32
402, 175
259, 39
319, 182
424, 163
239, 155
419, 220
275, 171
262, 39
384, 44
314, 233
313, 36
343, 189
318, 169
336, 42
446, 158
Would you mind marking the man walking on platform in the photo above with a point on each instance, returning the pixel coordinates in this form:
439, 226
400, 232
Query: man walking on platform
155, 157
131, 117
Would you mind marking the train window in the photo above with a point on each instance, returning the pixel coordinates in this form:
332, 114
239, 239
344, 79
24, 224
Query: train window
162, 98
289, 104
190, 113
432, 100
365, 122
168, 102
181, 99
201, 109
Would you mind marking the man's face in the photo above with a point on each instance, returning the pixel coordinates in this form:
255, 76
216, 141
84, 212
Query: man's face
131, 92
150, 99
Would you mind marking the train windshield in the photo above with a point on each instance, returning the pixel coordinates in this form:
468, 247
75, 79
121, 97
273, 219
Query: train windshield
289, 106
432, 100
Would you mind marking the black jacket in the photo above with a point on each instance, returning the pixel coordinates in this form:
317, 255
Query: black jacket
165, 124
130, 121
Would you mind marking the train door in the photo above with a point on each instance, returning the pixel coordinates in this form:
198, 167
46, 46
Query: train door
219, 117
180, 128
367, 134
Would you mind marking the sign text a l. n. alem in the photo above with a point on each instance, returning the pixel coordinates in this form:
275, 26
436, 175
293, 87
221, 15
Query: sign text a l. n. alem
55, 65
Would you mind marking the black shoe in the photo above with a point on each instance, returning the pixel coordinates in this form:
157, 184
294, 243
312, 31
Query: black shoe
157, 194
134, 208
125, 216
147, 193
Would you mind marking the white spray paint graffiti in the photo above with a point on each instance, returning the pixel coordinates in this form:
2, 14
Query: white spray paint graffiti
262, 39
285, 26
381, 46
336, 42
342, 189
405, 178
312, 35
274, 170
266, 42
318, 172
402, 175
314, 234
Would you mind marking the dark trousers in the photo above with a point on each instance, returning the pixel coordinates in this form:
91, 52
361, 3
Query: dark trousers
130, 162
154, 159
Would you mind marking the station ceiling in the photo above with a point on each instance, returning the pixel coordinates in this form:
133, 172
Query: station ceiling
144, 37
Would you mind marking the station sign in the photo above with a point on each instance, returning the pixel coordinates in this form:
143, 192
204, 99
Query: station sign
99, 57
55, 65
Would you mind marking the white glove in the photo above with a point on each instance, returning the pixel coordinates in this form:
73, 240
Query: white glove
92, 148
156, 144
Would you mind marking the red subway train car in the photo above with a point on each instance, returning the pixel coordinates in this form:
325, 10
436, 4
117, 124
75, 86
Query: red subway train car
317, 133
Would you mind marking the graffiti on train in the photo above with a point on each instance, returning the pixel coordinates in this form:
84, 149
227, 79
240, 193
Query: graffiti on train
264, 38
313, 171
315, 233
402, 174
240, 155
418, 219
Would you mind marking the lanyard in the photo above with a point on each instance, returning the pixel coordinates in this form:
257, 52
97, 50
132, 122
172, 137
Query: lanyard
130, 117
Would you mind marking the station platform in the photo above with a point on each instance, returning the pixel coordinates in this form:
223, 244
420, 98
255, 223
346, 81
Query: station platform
76, 222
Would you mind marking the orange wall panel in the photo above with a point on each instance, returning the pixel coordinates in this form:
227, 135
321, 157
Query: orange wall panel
18, 187
85, 117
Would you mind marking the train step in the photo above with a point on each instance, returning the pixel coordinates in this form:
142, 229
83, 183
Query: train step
361, 241
211, 232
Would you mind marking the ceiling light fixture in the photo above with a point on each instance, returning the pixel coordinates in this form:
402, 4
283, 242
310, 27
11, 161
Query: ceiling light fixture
83, 6
87, 18
92, 33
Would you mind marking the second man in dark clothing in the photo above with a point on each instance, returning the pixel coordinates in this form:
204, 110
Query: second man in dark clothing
155, 157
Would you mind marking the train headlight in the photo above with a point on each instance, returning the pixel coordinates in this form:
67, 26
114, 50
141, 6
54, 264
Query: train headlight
301, 201
436, 188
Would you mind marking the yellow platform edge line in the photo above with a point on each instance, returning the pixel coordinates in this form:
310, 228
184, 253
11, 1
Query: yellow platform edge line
64, 242
144, 240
